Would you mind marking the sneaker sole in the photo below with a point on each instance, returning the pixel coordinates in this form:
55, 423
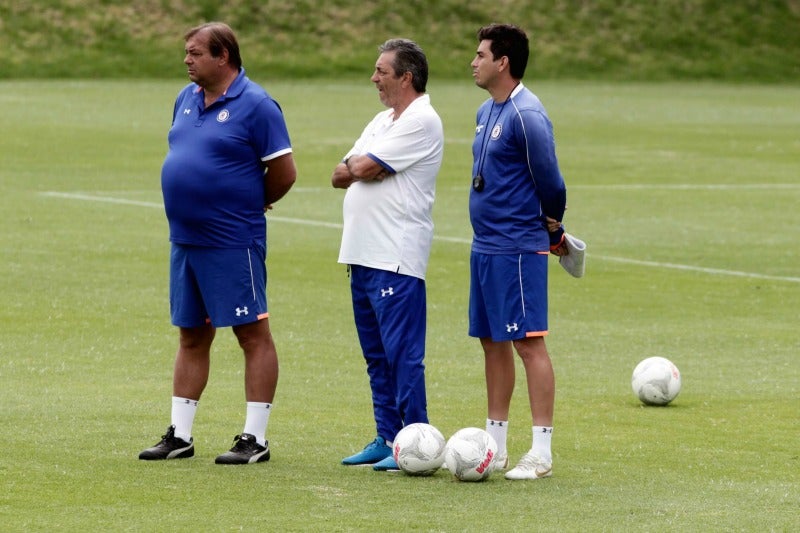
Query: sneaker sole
183, 453
224, 459
535, 475
387, 469
362, 463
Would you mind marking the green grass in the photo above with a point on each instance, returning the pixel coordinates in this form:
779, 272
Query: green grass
743, 41
686, 193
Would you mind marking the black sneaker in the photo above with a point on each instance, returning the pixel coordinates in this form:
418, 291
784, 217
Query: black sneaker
170, 447
245, 450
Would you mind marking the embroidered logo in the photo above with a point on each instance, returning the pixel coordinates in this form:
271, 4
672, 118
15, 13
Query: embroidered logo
223, 115
496, 131
241, 311
387, 292
511, 327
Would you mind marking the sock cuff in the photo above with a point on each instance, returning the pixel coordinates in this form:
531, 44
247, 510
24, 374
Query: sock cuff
177, 400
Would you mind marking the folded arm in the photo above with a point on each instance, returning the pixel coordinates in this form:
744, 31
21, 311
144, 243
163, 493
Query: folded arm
357, 168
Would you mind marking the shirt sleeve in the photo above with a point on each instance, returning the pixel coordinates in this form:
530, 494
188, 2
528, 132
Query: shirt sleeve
360, 145
402, 145
270, 134
543, 164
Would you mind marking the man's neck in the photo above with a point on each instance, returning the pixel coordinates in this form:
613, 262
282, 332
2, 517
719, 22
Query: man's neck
502, 91
402, 106
213, 92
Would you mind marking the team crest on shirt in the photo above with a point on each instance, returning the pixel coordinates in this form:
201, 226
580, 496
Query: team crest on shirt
496, 131
223, 115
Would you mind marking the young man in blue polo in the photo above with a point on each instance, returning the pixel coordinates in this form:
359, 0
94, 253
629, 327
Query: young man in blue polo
517, 201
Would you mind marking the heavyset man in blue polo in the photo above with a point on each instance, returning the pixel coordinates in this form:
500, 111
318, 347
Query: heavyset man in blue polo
229, 160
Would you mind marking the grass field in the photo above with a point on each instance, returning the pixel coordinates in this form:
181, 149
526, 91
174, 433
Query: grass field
687, 195
601, 39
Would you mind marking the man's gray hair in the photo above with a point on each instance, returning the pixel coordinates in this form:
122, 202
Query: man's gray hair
409, 57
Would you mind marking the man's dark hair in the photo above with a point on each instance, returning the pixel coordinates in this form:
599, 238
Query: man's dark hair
220, 37
510, 41
409, 57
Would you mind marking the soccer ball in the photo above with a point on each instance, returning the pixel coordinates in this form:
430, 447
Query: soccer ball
656, 381
469, 454
419, 449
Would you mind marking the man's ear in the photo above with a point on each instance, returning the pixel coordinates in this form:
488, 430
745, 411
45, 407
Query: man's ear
502, 64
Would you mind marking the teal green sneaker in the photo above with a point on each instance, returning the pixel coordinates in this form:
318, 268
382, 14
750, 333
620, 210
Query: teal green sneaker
373, 452
385, 465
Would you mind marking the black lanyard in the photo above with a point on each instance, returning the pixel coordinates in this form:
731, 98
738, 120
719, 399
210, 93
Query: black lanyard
478, 182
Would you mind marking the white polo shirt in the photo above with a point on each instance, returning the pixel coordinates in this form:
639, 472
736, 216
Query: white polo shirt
388, 224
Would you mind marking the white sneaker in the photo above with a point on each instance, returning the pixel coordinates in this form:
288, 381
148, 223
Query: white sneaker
500, 462
530, 467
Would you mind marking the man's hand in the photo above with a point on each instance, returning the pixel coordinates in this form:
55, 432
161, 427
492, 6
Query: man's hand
561, 249
553, 225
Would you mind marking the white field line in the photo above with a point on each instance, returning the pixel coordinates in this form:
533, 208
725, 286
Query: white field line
458, 240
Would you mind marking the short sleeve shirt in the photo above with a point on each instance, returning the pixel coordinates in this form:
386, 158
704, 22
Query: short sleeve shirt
388, 224
212, 178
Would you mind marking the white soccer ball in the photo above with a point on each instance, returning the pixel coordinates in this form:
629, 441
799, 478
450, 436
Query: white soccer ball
419, 449
656, 381
469, 454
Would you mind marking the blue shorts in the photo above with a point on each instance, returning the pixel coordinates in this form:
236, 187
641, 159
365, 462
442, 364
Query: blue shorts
508, 296
220, 286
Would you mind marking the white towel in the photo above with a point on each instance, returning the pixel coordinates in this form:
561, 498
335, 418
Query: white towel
575, 261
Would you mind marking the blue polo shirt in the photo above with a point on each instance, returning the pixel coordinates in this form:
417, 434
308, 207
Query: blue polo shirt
212, 179
514, 153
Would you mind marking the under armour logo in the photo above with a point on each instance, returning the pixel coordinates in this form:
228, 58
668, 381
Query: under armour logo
479, 128
241, 311
387, 292
187, 111
511, 327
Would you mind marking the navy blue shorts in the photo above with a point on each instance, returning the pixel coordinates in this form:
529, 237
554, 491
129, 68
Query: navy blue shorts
220, 286
508, 296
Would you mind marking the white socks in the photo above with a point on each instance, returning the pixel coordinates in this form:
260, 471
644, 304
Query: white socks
540, 444
542, 436
498, 429
183, 411
257, 419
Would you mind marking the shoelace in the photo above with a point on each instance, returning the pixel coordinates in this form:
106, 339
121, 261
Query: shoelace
374, 444
532, 461
242, 443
